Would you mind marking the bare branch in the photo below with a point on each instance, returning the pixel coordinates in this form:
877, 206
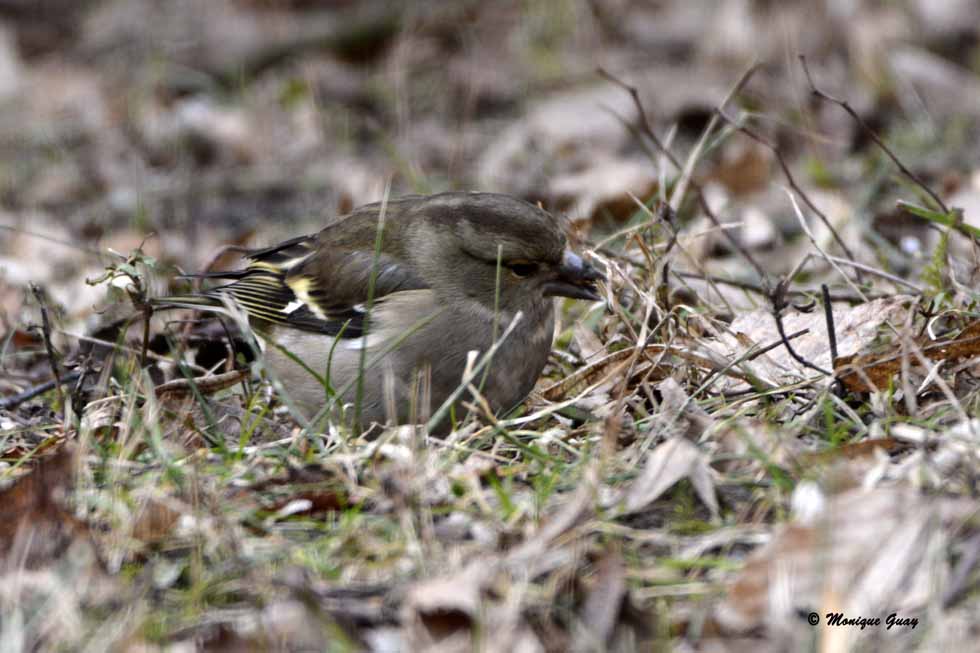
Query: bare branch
843, 104
647, 130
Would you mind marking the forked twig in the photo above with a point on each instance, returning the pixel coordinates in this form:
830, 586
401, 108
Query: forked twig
845, 105
816, 246
778, 304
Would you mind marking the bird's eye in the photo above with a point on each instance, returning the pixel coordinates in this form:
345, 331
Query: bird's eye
523, 268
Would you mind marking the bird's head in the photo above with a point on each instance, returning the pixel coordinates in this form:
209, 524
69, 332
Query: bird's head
499, 251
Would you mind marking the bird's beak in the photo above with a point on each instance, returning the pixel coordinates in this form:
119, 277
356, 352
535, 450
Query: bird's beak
574, 278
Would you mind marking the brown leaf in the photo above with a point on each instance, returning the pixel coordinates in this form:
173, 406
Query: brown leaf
50, 568
183, 388
156, 520
34, 526
612, 366
605, 189
22, 339
745, 166
448, 607
853, 450
309, 490
316, 502
871, 372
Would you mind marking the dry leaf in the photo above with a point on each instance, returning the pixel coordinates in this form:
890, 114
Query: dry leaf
34, 526
589, 345
603, 606
873, 549
447, 606
455, 613
747, 444
872, 372
856, 327
678, 414
672, 461
156, 519
604, 190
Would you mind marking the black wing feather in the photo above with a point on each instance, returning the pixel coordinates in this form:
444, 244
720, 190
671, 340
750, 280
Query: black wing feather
286, 285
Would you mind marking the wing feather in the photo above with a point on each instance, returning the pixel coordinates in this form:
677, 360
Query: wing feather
286, 285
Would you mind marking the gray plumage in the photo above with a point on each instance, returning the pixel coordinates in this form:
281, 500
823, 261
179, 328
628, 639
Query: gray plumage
410, 299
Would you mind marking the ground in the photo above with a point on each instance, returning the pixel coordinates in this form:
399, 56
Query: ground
763, 437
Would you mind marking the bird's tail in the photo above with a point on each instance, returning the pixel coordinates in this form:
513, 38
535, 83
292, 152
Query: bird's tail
206, 301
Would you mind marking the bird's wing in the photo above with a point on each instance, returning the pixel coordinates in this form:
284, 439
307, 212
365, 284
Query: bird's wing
328, 293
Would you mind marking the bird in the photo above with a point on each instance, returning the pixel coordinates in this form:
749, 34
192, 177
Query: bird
372, 320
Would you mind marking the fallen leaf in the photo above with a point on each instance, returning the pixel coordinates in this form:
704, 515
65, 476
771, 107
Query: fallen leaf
873, 372
605, 189
34, 526
447, 607
872, 549
603, 605
855, 326
156, 519
671, 462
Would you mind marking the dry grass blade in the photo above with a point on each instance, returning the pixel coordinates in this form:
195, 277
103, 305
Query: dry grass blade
205, 385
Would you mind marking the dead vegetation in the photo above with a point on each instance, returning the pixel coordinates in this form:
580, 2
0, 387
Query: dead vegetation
772, 414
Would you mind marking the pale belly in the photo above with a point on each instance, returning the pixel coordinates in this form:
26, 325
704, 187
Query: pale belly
409, 382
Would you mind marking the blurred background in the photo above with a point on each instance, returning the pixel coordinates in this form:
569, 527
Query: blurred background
713, 471
183, 125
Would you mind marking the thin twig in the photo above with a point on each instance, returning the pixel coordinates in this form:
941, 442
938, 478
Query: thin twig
813, 240
8, 403
46, 334
147, 315
695, 154
756, 288
77, 398
790, 179
57, 241
778, 304
845, 105
748, 357
828, 313
875, 271
675, 242
647, 131
151, 355
666, 215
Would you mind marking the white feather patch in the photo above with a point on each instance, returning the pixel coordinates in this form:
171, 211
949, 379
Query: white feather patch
301, 288
293, 262
372, 341
294, 305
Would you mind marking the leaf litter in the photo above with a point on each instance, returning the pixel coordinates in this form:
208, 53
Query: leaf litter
715, 450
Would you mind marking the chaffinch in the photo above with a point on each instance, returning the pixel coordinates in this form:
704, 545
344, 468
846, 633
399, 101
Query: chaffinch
404, 290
